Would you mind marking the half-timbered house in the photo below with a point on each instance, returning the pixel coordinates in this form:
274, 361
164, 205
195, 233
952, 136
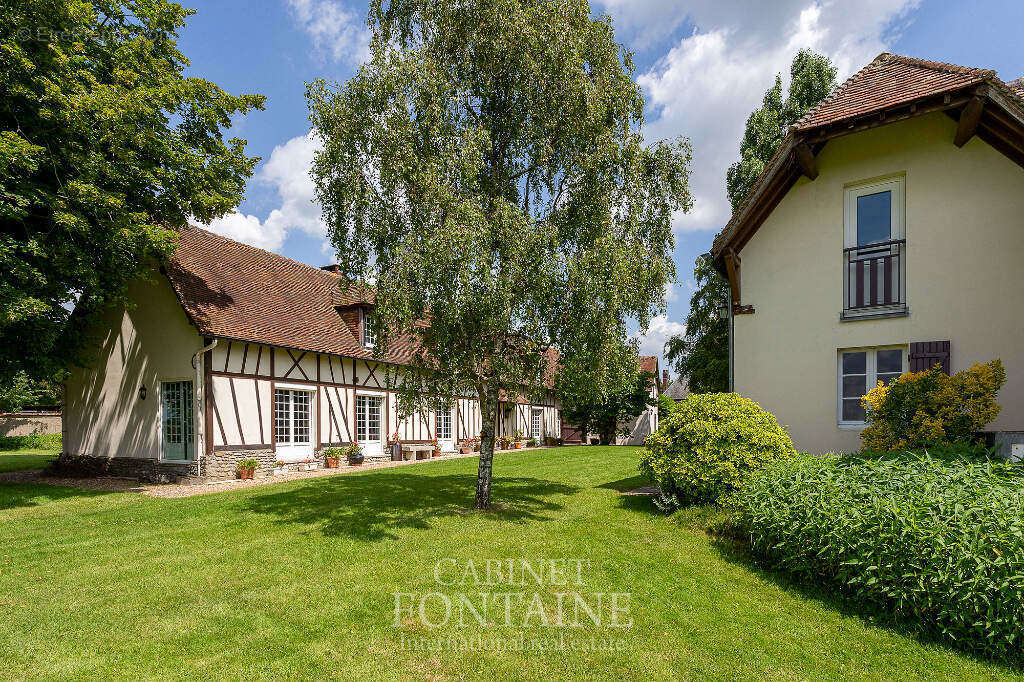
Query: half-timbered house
233, 352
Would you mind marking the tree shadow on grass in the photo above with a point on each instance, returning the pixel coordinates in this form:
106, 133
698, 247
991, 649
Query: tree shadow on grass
373, 508
626, 484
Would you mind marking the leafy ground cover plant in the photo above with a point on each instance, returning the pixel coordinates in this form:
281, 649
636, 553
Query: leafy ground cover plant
939, 542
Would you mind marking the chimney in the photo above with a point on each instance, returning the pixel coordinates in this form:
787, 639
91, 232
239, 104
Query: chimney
664, 379
330, 268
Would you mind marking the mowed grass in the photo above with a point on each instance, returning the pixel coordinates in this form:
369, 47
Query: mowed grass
18, 453
297, 580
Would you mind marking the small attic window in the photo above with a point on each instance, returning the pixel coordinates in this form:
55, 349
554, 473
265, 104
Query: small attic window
365, 330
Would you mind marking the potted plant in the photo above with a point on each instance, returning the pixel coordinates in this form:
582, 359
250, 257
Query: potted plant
309, 464
395, 447
354, 454
332, 457
532, 443
280, 467
519, 443
466, 446
437, 447
246, 468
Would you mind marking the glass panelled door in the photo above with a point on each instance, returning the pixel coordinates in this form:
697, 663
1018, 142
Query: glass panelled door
178, 432
445, 433
537, 424
369, 424
292, 424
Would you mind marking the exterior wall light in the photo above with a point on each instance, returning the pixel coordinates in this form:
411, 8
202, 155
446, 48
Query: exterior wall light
142, 392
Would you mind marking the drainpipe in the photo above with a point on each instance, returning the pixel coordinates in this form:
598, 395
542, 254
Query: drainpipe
732, 345
200, 422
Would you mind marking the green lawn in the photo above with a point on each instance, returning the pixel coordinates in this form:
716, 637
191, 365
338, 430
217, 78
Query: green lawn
28, 458
297, 580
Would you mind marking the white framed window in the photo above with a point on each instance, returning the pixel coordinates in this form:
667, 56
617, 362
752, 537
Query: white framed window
860, 370
369, 418
874, 246
292, 424
369, 336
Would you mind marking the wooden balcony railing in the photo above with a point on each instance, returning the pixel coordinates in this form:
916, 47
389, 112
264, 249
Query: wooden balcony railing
874, 275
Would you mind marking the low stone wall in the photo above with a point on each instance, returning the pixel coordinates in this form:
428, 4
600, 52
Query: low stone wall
223, 464
29, 423
147, 470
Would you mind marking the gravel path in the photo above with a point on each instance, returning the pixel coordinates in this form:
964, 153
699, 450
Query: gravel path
188, 490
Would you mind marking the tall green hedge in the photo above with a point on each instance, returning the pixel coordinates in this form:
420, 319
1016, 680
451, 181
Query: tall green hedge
937, 542
36, 441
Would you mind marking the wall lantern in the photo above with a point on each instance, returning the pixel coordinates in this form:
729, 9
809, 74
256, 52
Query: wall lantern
142, 392
723, 311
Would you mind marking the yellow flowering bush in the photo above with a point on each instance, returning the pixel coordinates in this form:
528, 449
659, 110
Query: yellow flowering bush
708, 443
922, 409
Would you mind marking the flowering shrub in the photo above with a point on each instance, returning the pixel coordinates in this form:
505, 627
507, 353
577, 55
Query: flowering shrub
708, 443
922, 409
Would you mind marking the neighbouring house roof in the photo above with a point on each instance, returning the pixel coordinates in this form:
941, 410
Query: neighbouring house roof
236, 291
649, 363
891, 88
677, 390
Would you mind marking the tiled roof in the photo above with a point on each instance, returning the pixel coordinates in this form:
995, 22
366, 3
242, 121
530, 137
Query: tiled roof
1017, 86
649, 363
235, 291
677, 390
890, 80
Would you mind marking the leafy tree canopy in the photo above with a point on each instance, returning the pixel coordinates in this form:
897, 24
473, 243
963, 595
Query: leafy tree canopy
812, 78
602, 414
702, 354
485, 169
105, 148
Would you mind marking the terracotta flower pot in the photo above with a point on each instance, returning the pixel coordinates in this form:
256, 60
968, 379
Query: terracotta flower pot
246, 474
332, 462
437, 453
465, 449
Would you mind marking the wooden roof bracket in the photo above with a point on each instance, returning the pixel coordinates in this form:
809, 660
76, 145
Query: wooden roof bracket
805, 160
970, 116
732, 268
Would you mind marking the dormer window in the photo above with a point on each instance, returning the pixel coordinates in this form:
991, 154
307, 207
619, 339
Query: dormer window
366, 330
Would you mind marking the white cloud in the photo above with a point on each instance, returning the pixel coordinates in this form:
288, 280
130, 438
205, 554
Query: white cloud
710, 81
287, 171
338, 34
659, 331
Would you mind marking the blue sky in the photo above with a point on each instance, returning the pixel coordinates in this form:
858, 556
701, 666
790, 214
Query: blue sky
703, 65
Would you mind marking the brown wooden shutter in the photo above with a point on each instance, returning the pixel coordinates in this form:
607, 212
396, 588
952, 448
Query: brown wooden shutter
925, 354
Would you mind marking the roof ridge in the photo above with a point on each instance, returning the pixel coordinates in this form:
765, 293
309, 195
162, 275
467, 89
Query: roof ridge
267, 252
948, 67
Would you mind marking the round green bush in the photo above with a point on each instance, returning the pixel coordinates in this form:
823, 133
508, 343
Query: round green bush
703, 449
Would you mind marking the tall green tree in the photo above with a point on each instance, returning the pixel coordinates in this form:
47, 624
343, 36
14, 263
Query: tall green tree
702, 354
812, 78
105, 148
485, 169
603, 414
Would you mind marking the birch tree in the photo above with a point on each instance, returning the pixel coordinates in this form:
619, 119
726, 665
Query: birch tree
485, 170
